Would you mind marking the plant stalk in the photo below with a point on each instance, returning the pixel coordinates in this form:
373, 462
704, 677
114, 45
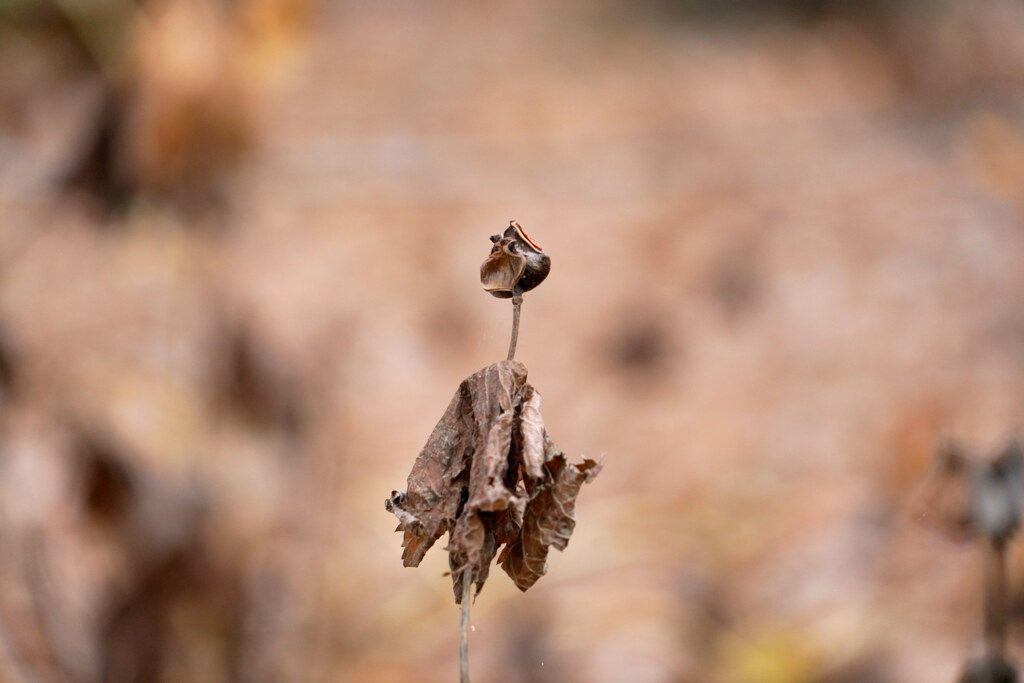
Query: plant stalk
467, 585
995, 598
517, 302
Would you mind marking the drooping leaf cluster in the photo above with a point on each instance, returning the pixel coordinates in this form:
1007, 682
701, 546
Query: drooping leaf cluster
493, 479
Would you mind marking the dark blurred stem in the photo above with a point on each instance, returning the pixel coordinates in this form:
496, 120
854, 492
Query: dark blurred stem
995, 598
467, 585
517, 302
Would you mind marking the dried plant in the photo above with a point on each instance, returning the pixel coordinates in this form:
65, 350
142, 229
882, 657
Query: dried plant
983, 500
490, 475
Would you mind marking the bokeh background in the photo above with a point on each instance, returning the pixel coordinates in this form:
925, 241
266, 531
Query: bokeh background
239, 247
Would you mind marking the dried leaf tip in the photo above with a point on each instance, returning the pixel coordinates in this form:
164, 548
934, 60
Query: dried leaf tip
491, 476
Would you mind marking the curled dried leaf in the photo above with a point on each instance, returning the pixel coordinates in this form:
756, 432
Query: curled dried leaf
490, 476
550, 518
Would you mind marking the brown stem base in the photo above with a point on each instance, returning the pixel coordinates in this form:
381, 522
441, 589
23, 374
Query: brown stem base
467, 585
995, 599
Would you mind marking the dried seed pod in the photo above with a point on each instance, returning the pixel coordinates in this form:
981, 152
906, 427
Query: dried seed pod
515, 265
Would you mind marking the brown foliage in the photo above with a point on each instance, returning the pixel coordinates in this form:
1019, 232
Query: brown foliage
490, 476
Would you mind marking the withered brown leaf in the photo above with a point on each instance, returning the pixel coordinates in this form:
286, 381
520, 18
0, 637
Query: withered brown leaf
490, 476
550, 516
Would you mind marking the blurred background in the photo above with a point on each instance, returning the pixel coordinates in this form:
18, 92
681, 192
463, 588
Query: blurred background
239, 252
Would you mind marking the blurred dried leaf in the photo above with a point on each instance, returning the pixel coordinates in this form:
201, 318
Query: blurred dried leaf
182, 114
944, 497
491, 476
109, 484
988, 669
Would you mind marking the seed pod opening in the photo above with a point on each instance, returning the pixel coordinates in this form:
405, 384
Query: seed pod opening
515, 265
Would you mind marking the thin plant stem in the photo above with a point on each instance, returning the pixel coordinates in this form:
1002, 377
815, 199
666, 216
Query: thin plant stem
467, 585
995, 598
517, 302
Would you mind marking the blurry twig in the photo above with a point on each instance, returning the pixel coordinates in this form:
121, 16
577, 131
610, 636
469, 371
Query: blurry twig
984, 499
996, 602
